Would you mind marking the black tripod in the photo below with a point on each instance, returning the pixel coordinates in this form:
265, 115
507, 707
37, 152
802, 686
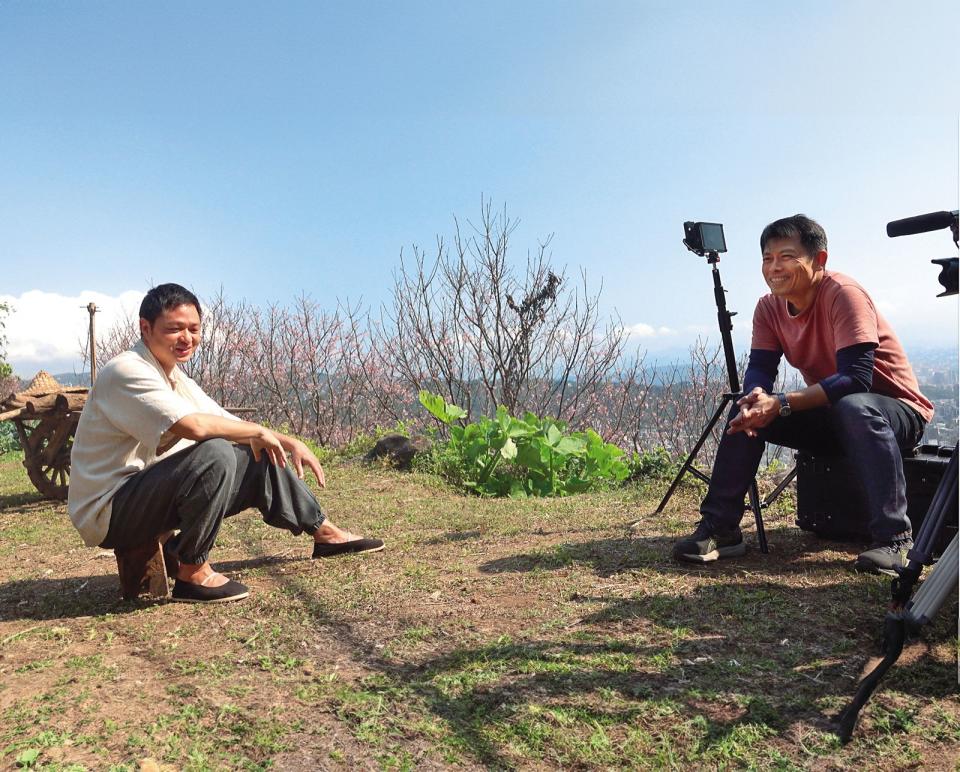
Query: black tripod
725, 320
906, 616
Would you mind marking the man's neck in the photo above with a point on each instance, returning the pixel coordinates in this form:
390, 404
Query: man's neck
167, 371
797, 305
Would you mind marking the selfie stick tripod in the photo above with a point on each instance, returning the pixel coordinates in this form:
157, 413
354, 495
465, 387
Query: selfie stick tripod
908, 616
725, 320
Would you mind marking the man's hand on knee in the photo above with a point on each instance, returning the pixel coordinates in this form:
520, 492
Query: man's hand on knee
302, 456
266, 442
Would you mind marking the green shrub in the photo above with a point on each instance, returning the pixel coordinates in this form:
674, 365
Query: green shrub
654, 464
519, 457
9, 439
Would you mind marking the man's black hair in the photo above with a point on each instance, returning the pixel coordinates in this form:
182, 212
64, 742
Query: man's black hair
163, 297
813, 238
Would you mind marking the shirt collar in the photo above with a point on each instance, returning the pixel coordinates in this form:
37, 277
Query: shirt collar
143, 350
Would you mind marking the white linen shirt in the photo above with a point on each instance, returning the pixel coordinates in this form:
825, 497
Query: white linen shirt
123, 429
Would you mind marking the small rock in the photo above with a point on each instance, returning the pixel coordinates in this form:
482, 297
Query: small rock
398, 449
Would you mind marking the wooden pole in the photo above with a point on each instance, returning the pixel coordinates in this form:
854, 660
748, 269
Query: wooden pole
92, 310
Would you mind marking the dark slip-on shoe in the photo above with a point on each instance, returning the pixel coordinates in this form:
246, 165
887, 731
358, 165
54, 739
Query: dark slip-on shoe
347, 547
197, 593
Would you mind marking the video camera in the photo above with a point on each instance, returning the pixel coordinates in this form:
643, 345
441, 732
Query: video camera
933, 221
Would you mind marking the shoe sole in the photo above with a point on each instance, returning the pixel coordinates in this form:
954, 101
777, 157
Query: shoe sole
874, 569
214, 600
735, 551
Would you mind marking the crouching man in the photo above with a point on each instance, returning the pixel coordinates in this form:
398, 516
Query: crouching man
862, 399
153, 453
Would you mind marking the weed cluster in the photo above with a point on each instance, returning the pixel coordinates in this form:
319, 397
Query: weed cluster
520, 457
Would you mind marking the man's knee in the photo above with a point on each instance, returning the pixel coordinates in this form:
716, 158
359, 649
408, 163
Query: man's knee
855, 408
216, 455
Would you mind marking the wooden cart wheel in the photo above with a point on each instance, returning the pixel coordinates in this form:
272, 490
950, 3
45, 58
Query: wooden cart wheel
46, 448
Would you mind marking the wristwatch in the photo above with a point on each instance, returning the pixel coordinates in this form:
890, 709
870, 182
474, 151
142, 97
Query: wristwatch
784, 405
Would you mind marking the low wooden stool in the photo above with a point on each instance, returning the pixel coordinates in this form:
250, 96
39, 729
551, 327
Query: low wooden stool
142, 569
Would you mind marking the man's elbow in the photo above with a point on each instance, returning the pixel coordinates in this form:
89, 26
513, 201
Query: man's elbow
191, 427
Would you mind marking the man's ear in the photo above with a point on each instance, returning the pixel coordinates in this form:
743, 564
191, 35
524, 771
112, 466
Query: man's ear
820, 259
144, 326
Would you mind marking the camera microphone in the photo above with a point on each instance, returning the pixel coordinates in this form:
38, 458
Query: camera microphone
922, 223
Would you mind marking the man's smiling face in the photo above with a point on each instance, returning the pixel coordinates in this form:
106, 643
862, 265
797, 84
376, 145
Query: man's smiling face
790, 272
174, 335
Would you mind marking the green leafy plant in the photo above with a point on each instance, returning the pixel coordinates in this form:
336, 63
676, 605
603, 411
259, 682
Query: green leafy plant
28, 758
519, 457
9, 439
652, 465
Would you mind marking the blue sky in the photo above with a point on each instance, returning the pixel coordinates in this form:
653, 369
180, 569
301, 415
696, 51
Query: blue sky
279, 148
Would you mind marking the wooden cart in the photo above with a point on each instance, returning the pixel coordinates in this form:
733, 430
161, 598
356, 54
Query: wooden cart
46, 416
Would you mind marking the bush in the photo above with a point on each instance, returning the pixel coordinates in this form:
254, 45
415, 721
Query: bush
655, 464
520, 457
9, 439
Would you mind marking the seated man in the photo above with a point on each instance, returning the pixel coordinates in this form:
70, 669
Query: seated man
862, 399
153, 453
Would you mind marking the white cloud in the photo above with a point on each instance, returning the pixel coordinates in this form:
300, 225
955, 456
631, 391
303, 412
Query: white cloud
641, 330
45, 330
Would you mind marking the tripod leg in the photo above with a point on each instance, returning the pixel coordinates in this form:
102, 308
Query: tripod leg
894, 634
754, 495
772, 496
940, 584
727, 398
944, 505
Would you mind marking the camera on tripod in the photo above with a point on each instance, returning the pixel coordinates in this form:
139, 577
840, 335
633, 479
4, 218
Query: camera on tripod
704, 237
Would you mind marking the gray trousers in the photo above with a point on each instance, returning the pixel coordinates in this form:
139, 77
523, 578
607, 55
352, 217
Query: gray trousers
194, 490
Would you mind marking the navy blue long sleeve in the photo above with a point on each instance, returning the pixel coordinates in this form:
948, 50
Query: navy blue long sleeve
854, 372
761, 370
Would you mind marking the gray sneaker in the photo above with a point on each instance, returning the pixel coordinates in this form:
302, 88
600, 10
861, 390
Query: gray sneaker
884, 557
705, 546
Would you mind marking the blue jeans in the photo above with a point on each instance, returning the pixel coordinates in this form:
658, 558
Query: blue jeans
871, 430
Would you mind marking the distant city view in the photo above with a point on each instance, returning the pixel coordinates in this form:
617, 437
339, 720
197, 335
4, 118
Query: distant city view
937, 373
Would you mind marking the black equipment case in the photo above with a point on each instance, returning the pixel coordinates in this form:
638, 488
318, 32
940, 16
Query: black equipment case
830, 501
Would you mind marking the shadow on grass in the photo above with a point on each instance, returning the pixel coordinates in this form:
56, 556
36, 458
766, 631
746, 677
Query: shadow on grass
19, 500
261, 561
454, 536
78, 596
628, 553
728, 662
